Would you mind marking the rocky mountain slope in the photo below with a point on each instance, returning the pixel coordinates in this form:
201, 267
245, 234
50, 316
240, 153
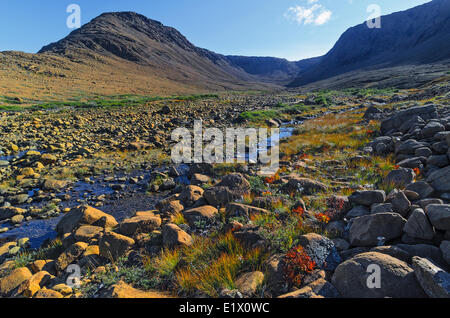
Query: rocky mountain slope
412, 37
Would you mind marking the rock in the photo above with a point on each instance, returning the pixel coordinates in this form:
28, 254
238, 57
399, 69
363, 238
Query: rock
418, 226
412, 163
31, 286
84, 215
321, 250
372, 113
400, 203
113, 246
70, 255
434, 281
63, 289
47, 159
431, 252
48, 293
236, 182
140, 224
440, 179
394, 122
173, 236
248, 283
87, 232
400, 177
317, 289
445, 249
393, 251
422, 188
426, 202
17, 219
9, 212
381, 208
366, 230
204, 213
439, 161
439, 215
199, 179
276, 282
357, 211
13, 280
172, 208
19, 199
397, 279
123, 290
341, 244
367, 198
242, 210
55, 185
431, 129
303, 186
220, 196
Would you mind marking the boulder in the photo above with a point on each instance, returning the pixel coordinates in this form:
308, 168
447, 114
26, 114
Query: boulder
434, 281
381, 208
400, 177
303, 186
400, 203
113, 246
48, 293
220, 196
422, 188
357, 211
439, 215
55, 185
366, 230
84, 215
248, 283
367, 198
140, 224
440, 180
397, 279
431, 252
86, 233
203, 213
445, 249
13, 280
418, 226
242, 210
173, 236
235, 182
70, 255
123, 290
431, 129
394, 122
320, 288
190, 195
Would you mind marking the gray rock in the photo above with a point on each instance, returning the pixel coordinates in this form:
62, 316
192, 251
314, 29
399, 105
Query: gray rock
367, 198
381, 208
409, 147
418, 226
396, 121
439, 215
423, 152
426, 202
445, 249
414, 162
400, 204
422, 188
357, 211
322, 250
431, 129
400, 177
439, 161
366, 230
397, 278
440, 179
434, 281
429, 251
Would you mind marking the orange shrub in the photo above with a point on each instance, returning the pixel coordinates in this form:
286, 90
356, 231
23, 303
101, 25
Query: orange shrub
297, 264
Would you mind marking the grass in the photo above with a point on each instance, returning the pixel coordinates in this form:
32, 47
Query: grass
206, 267
48, 251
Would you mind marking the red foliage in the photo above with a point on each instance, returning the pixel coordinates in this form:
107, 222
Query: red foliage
297, 264
335, 207
323, 218
417, 171
299, 211
271, 180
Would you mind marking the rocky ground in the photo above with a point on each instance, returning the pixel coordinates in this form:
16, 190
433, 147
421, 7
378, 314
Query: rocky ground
364, 181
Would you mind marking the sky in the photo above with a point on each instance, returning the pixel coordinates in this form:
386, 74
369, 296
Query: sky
291, 29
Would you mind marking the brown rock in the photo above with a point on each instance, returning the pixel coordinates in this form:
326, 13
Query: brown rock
84, 215
113, 245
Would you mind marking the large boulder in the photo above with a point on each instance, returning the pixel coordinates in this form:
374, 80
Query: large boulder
220, 196
70, 255
367, 198
113, 246
243, 210
366, 230
422, 188
440, 179
248, 283
235, 182
431, 129
418, 226
190, 195
439, 215
396, 278
400, 203
84, 215
434, 281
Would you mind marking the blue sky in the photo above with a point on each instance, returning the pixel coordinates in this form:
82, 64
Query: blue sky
292, 29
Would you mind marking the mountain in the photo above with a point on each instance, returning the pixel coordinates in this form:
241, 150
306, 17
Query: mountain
417, 36
271, 69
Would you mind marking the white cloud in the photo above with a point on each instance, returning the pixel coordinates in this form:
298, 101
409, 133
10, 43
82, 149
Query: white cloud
315, 14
